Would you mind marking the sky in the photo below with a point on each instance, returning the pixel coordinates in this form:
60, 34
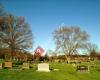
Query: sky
44, 16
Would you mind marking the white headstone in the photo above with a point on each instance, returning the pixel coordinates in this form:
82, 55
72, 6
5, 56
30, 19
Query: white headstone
44, 67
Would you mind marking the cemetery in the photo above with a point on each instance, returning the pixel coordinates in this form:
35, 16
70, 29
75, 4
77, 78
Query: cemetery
50, 70
49, 40
47, 68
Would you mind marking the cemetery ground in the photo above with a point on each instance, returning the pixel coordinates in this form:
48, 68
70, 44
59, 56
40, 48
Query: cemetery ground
65, 72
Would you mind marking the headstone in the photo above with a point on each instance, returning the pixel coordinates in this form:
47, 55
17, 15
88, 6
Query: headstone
0, 65
44, 67
83, 68
25, 66
7, 64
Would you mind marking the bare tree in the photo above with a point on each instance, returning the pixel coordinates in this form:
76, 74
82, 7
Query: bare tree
70, 39
49, 52
15, 33
92, 49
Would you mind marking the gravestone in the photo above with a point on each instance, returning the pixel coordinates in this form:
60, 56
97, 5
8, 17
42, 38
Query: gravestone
7, 64
83, 68
44, 67
25, 66
0, 65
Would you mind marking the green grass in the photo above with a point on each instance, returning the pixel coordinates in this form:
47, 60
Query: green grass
66, 72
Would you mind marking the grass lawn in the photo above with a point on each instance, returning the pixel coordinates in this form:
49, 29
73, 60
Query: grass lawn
66, 72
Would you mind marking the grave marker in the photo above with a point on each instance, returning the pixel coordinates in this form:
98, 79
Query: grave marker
43, 67
83, 68
25, 66
7, 64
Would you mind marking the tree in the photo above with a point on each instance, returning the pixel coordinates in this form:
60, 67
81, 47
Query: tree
49, 52
46, 57
15, 33
70, 39
92, 49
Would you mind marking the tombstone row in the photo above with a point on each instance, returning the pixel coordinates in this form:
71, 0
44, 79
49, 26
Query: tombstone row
42, 67
9, 65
